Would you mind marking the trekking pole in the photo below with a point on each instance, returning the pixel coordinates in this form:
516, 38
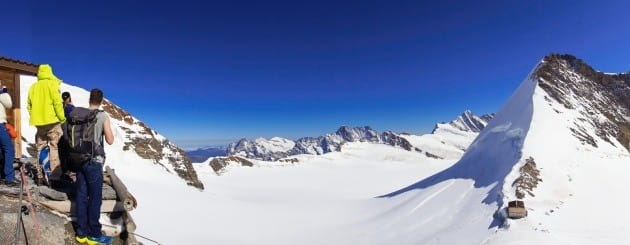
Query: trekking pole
135, 234
19, 212
30, 204
146, 238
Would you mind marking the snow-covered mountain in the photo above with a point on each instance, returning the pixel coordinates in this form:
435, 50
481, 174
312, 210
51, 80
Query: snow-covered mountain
461, 130
261, 148
467, 122
135, 143
278, 148
450, 140
559, 143
447, 141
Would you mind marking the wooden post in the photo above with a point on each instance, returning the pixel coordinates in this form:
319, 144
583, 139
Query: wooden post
121, 190
17, 118
17, 115
69, 207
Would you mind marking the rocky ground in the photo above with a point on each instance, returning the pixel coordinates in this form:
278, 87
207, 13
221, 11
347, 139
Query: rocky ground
54, 227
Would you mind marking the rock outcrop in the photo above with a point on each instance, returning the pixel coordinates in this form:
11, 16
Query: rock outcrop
221, 164
148, 144
602, 99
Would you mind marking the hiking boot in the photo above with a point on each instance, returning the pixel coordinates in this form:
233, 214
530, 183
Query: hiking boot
81, 239
102, 240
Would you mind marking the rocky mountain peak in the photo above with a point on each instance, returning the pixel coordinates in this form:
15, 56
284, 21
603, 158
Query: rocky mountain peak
468, 122
148, 144
602, 99
364, 133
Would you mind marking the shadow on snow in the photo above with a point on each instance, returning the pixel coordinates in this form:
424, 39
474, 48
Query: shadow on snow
493, 154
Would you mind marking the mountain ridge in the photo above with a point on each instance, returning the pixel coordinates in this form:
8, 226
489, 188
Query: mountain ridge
258, 148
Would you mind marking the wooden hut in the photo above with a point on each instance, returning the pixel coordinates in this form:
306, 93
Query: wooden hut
516, 209
10, 71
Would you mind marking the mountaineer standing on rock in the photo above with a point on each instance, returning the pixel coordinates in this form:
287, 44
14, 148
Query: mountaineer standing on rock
6, 143
93, 126
45, 108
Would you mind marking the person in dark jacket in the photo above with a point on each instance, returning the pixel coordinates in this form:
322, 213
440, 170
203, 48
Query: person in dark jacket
67, 103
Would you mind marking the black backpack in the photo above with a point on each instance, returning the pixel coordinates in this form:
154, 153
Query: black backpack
78, 137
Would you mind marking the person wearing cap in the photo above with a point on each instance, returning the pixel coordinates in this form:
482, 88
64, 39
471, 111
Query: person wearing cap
67, 103
6, 143
46, 111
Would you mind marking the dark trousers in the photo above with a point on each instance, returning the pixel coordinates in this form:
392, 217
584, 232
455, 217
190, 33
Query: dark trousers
89, 199
9, 153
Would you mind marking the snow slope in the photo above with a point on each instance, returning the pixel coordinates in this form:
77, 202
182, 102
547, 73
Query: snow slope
324, 199
450, 140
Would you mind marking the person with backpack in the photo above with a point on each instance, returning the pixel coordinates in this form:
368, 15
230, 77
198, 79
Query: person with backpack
6, 143
45, 108
86, 130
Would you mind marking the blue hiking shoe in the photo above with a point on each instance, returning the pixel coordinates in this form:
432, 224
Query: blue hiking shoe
103, 239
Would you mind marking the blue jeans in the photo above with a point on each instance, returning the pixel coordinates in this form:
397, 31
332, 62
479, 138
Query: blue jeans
6, 143
89, 198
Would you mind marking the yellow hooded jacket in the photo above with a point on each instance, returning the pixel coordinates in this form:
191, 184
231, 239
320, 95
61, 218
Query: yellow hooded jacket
44, 99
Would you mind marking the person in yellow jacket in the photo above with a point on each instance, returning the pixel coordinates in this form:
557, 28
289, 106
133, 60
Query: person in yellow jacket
45, 108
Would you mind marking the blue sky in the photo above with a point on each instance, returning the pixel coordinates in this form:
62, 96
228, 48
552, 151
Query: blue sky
207, 73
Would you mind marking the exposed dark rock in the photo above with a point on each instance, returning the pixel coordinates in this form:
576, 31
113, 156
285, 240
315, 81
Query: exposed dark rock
432, 155
219, 164
393, 139
148, 145
576, 85
528, 179
584, 137
289, 160
54, 228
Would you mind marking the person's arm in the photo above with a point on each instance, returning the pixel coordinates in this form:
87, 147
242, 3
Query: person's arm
5, 100
107, 131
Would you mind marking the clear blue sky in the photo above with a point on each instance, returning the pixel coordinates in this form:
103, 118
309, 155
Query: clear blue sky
208, 72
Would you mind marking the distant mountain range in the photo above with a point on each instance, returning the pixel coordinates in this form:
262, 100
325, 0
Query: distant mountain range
277, 148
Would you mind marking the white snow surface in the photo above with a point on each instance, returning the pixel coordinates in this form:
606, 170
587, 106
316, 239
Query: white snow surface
275, 144
446, 141
378, 194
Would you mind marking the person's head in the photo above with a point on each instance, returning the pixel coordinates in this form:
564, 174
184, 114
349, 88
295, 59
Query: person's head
96, 97
66, 98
